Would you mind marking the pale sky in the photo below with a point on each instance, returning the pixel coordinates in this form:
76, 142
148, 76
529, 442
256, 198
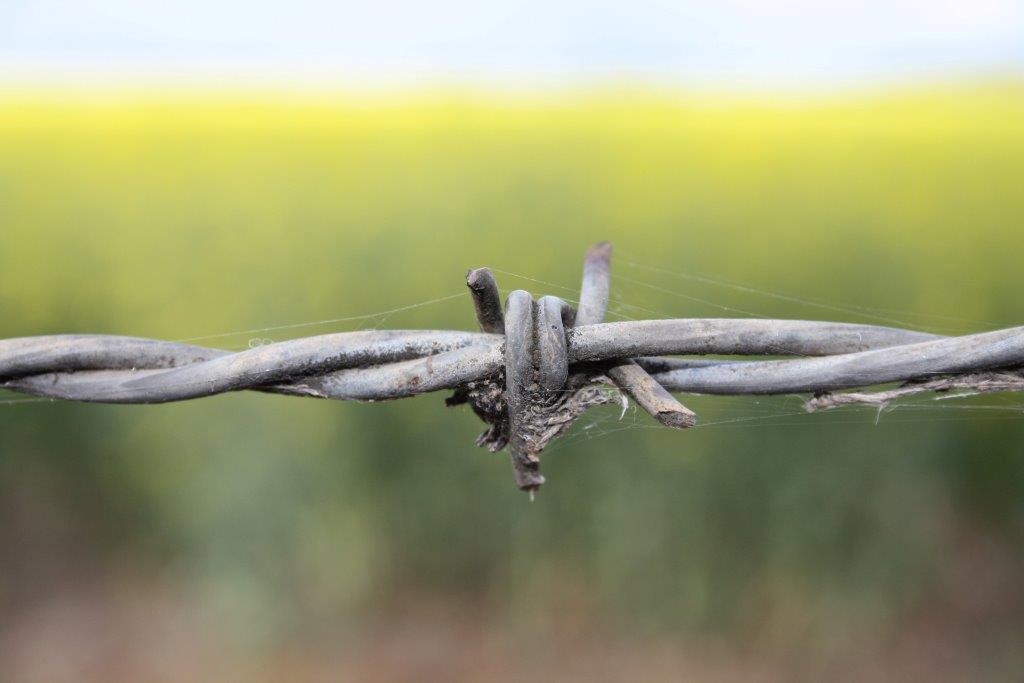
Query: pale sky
801, 42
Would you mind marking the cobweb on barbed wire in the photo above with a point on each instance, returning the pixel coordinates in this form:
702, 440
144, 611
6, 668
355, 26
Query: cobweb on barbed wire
939, 397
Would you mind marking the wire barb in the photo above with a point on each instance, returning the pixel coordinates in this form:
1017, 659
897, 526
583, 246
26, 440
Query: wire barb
629, 377
486, 299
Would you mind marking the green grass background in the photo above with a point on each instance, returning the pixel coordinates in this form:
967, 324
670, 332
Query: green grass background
189, 214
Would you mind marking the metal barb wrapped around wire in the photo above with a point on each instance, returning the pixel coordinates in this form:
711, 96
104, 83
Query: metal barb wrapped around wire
535, 366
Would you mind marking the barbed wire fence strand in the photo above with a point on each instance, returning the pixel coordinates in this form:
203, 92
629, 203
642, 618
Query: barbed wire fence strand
536, 365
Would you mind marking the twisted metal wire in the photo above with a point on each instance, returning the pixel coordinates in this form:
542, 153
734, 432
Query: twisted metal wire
535, 365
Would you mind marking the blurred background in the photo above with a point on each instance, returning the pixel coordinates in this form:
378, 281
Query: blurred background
237, 174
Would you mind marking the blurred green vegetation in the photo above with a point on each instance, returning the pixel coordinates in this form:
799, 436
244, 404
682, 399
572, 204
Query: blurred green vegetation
181, 215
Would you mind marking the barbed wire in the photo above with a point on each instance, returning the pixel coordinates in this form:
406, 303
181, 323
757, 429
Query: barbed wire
534, 366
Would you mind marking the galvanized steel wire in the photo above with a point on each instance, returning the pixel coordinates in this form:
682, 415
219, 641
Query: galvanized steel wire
533, 367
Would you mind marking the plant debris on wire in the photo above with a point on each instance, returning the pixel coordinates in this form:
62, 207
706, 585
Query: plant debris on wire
535, 365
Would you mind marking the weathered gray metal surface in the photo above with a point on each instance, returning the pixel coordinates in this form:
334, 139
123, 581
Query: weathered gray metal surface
486, 300
952, 356
630, 378
533, 368
428, 360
